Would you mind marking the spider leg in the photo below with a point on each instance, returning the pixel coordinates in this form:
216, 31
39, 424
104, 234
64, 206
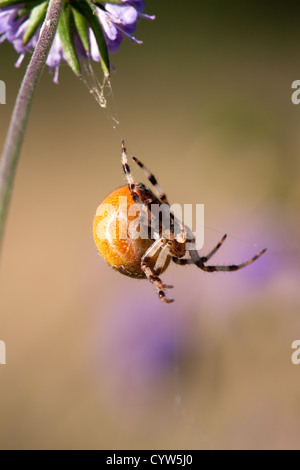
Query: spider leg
151, 276
185, 261
182, 261
198, 261
129, 177
204, 259
161, 261
161, 195
147, 203
126, 167
214, 250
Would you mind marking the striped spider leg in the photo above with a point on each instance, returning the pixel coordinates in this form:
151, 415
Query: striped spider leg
200, 261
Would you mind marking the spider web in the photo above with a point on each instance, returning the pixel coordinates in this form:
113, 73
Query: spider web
100, 90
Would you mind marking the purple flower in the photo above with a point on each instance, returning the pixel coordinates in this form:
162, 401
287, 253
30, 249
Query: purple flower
136, 345
95, 29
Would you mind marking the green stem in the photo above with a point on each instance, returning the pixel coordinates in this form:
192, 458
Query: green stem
22, 107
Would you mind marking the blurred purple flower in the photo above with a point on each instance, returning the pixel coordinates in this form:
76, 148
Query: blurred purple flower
115, 20
137, 345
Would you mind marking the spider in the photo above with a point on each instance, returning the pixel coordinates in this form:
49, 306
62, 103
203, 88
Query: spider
149, 256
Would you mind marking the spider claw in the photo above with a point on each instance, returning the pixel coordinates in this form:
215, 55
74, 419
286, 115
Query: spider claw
168, 301
162, 297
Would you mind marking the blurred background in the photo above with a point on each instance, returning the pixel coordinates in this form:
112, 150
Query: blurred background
94, 360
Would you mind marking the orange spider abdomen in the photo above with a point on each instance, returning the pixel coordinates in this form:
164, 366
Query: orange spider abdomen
110, 230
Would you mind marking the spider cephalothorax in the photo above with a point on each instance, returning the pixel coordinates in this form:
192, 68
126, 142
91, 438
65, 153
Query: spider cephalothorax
160, 238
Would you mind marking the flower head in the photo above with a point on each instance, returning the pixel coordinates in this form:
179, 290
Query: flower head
87, 29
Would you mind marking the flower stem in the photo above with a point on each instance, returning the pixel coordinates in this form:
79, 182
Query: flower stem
22, 107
